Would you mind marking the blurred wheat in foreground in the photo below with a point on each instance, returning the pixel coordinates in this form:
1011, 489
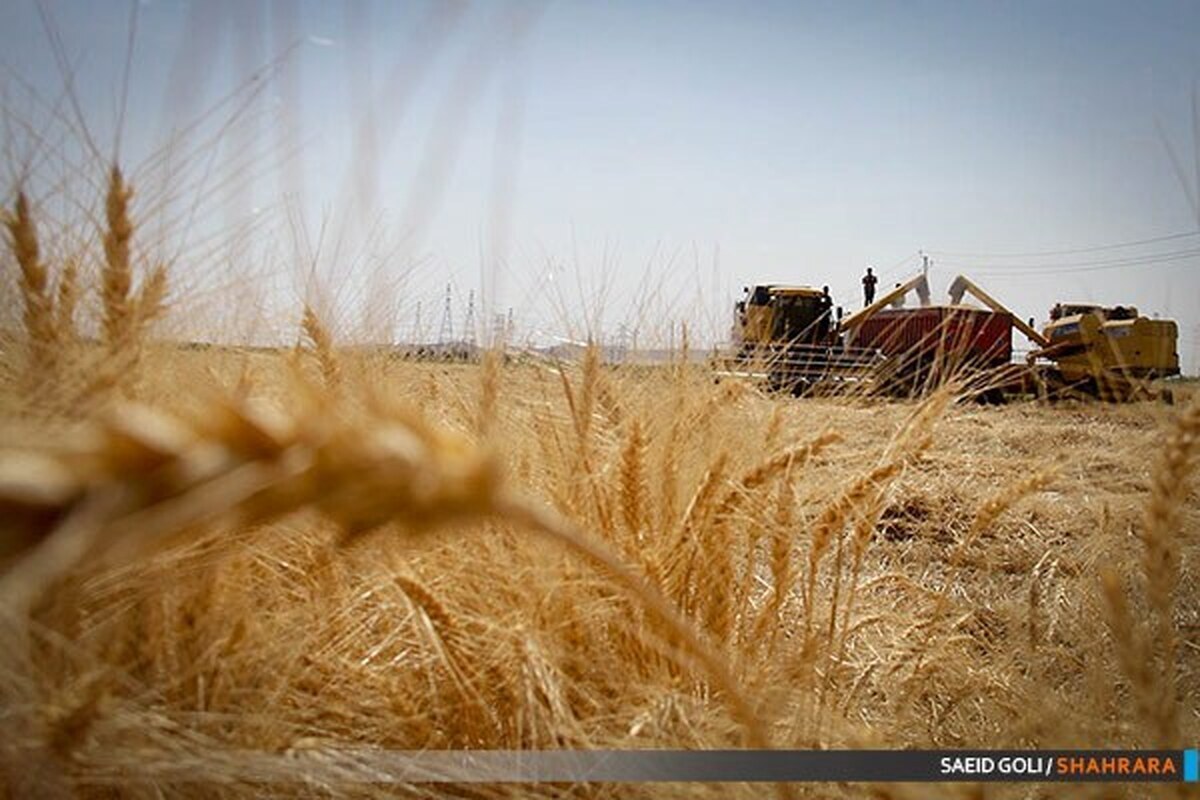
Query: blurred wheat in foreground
211, 556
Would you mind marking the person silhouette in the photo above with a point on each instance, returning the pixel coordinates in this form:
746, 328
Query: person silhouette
869, 280
824, 321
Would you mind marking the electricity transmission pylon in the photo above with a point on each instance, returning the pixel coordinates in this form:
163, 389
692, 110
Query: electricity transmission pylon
446, 331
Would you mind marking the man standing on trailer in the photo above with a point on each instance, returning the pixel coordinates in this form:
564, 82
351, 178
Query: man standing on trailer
869, 280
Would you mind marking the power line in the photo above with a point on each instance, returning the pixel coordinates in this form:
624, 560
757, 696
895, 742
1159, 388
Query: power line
1091, 266
1077, 250
890, 270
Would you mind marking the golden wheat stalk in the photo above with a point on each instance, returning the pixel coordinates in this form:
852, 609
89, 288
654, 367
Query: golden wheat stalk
677, 571
793, 458
588, 392
34, 284
832, 521
151, 302
540, 519
632, 480
861, 503
725, 592
1161, 525
116, 276
321, 341
997, 504
1153, 698
668, 475
781, 567
489, 390
582, 409
1164, 513
446, 636
66, 301
141, 475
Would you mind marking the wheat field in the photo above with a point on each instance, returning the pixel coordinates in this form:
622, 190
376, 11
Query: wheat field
214, 557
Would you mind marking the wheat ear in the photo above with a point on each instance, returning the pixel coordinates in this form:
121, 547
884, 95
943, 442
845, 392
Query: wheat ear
116, 279
719, 612
321, 340
151, 302
39, 309
67, 299
1000, 502
633, 490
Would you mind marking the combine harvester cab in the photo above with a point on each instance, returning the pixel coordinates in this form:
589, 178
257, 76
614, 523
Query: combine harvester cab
788, 337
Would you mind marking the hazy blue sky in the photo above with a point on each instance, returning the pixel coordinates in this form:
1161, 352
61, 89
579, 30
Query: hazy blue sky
666, 150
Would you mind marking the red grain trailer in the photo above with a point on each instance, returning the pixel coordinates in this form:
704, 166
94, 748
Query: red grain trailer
927, 344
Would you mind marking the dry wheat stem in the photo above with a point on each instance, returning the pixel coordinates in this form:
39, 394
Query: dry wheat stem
1160, 559
541, 520
1000, 502
1153, 701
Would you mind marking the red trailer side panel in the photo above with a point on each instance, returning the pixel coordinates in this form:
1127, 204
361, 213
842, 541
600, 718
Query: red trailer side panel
965, 335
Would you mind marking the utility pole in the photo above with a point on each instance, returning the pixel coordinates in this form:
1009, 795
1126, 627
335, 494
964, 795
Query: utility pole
499, 334
924, 264
446, 331
416, 330
622, 342
469, 324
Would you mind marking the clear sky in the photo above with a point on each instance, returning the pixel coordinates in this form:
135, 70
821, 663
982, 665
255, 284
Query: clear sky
657, 156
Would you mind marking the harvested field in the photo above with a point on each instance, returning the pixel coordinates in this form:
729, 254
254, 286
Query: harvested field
836, 573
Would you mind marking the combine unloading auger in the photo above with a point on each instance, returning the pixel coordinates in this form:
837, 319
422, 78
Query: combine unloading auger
962, 284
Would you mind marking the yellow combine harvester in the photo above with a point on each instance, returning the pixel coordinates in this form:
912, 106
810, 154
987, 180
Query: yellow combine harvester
1108, 352
1086, 349
790, 335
